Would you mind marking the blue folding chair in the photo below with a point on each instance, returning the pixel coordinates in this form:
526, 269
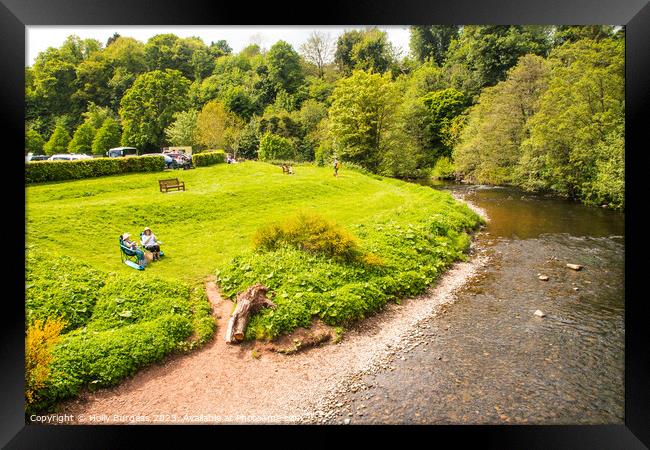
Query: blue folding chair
132, 257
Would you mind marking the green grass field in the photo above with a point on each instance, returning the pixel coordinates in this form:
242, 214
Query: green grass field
212, 221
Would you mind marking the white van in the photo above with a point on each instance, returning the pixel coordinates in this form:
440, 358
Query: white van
68, 157
119, 152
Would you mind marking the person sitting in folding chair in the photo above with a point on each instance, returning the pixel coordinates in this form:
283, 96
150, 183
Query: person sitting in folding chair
150, 243
129, 252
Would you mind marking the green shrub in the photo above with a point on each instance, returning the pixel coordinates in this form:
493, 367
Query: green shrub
311, 233
444, 169
103, 358
42, 171
274, 147
60, 287
209, 158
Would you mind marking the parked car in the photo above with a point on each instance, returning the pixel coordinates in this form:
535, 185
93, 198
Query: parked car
119, 152
68, 157
31, 157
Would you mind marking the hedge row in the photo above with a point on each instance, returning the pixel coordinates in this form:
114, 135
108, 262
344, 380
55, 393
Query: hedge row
209, 158
40, 171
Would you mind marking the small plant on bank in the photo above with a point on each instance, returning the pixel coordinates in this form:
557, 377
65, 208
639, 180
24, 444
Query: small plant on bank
311, 233
40, 339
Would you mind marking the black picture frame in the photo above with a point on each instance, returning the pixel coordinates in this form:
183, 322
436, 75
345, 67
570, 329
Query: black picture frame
15, 15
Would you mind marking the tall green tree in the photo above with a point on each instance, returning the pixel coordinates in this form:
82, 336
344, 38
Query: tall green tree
489, 148
284, 67
104, 77
482, 55
367, 50
583, 109
361, 116
107, 137
82, 139
33, 141
183, 131
432, 41
218, 128
220, 48
343, 54
96, 115
148, 107
573, 33
58, 142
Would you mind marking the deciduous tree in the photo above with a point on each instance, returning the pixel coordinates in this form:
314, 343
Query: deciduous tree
318, 50
361, 114
82, 139
58, 142
107, 137
148, 107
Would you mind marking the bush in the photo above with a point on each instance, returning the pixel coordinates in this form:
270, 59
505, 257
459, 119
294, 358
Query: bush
42, 171
60, 287
311, 233
40, 339
103, 358
444, 169
209, 158
273, 146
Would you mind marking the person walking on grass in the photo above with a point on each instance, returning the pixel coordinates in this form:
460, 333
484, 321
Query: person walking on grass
336, 167
150, 243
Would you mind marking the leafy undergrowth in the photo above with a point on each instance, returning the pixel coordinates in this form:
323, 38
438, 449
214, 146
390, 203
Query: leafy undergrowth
394, 257
114, 324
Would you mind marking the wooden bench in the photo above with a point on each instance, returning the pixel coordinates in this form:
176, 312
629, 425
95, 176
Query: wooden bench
285, 169
171, 183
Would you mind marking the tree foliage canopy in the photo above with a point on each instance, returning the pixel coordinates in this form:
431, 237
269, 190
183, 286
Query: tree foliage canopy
149, 106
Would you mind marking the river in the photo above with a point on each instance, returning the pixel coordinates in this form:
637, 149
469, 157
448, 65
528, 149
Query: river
488, 359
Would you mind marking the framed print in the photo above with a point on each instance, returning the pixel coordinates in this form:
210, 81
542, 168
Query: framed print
415, 214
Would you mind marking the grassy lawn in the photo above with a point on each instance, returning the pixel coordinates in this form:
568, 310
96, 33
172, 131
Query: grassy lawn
205, 226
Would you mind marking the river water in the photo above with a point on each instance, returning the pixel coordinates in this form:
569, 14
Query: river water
488, 359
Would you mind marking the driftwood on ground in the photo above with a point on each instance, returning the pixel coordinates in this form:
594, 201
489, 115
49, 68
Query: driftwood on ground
248, 303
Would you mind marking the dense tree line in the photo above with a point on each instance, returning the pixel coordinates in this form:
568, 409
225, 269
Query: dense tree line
537, 106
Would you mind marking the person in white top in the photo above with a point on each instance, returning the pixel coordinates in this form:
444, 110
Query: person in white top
150, 242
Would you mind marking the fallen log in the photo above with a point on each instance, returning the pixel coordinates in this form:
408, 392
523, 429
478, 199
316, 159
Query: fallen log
248, 303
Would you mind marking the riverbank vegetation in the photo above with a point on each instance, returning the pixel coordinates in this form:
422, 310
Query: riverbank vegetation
540, 107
